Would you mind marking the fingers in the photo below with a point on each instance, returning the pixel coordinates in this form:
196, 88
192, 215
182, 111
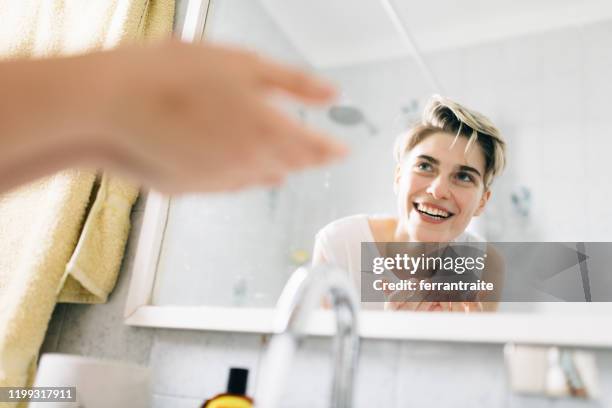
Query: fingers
299, 145
465, 307
411, 306
299, 84
473, 307
388, 292
401, 300
445, 306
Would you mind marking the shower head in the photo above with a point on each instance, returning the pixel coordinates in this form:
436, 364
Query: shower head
349, 115
346, 115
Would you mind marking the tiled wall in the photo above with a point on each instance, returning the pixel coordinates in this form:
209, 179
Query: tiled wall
548, 93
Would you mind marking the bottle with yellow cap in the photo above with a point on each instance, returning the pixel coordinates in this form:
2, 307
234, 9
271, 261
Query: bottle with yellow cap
235, 397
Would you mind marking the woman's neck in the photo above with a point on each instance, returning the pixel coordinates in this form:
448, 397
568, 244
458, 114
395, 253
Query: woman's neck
400, 233
388, 230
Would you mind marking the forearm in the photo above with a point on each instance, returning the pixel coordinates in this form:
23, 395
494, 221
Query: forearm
45, 125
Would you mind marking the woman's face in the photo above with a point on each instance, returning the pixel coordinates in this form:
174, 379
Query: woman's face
440, 188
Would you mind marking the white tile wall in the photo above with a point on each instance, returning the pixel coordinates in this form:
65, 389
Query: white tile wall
196, 364
548, 93
422, 366
169, 401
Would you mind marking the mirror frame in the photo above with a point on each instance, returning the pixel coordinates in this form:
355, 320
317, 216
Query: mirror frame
480, 328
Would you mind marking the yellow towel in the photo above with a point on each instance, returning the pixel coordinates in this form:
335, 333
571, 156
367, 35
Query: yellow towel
92, 270
54, 245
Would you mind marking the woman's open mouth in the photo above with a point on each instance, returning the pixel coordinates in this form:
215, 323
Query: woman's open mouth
431, 213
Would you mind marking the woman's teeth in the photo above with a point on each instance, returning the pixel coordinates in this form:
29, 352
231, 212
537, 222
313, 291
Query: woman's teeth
431, 211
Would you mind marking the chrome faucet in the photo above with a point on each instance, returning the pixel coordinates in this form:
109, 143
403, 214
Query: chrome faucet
303, 294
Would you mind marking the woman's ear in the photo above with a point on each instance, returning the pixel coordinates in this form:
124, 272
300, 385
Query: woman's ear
396, 179
483, 202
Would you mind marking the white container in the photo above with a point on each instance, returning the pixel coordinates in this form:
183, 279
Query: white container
99, 383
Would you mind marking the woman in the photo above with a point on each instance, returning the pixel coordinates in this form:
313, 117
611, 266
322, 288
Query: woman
445, 167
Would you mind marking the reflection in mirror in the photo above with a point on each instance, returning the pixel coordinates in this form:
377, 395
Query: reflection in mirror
445, 165
537, 84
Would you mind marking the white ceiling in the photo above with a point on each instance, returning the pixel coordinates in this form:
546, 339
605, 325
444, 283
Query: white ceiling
331, 33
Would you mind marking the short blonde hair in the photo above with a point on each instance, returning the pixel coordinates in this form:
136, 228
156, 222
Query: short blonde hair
445, 115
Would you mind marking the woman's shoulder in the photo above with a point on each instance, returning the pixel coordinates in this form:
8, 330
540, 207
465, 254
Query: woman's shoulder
346, 225
360, 224
339, 241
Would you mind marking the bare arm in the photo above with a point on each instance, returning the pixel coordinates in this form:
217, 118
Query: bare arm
41, 118
177, 117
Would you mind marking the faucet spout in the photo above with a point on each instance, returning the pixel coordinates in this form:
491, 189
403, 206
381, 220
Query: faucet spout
303, 294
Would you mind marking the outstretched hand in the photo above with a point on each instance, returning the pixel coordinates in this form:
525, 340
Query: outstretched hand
194, 117
174, 116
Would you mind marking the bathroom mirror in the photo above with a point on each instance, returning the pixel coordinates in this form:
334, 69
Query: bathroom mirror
538, 70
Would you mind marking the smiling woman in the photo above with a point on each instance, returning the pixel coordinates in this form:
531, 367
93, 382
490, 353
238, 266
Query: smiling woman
445, 167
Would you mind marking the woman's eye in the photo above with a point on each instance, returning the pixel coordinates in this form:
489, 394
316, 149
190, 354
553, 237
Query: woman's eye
424, 166
465, 177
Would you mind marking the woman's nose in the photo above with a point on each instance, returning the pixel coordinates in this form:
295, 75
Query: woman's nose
439, 188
